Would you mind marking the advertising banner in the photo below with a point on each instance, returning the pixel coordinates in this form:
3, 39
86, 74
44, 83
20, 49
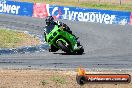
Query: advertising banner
40, 10
89, 15
16, 8
131, 19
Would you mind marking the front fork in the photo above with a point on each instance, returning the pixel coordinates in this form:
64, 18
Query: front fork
62, 41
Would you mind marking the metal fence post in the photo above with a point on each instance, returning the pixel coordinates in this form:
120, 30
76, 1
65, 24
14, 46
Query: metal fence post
99, 1
120, 2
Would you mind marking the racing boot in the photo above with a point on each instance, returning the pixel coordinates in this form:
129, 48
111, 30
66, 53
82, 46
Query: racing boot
75, 37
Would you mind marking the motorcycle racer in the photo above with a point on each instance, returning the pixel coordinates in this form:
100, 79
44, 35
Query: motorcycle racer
50, 23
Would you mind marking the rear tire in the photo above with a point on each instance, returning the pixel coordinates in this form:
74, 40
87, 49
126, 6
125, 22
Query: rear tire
53, 48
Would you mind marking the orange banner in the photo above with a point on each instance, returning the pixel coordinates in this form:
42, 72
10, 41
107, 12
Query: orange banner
82, 77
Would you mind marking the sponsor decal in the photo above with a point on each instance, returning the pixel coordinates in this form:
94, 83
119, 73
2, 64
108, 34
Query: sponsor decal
16, 8
58, 11
5, 8
40, 10
123, 22
3, 1
89, 15
83, 78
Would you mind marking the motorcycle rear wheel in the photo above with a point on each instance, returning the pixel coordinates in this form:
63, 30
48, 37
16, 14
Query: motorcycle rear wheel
53, 48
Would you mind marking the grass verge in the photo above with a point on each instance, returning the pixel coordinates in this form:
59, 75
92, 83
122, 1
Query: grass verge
13, 39
32, 79
44, 82
58, 79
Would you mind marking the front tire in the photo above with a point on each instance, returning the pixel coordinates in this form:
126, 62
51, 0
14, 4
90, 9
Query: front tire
63, 46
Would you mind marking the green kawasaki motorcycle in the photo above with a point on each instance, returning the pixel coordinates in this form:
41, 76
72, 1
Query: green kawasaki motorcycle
57, 39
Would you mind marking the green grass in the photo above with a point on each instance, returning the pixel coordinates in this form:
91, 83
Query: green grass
59, 79
105, 6
8, 38
44, 82
15, 39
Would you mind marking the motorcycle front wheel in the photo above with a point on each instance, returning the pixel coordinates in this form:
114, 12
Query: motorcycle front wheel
63, 46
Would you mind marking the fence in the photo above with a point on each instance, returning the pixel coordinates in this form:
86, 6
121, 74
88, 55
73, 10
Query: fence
108, 1
92, 1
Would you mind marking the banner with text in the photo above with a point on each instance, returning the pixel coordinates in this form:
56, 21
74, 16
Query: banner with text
16, 8
89, 15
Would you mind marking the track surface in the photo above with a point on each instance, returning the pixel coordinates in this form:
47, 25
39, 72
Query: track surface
106, 46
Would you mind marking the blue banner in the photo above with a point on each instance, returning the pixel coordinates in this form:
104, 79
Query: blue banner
89, 15
16, 8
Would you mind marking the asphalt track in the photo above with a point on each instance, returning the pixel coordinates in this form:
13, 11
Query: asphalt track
106, 46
